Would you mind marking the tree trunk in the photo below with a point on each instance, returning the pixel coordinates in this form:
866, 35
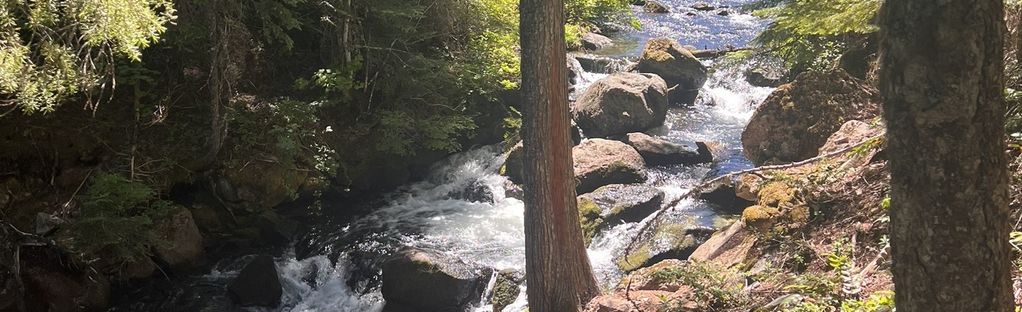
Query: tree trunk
558, 272
942, 80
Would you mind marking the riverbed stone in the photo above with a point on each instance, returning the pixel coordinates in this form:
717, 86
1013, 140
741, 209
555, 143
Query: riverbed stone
621, 103
670, 239
728, 247
625, 202
682, 71
654, 6
599, 162
659, 152
794, 122
593, 41
602, 64
258, 284
506, 288
421, 280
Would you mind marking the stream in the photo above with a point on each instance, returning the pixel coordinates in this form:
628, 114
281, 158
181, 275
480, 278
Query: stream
335, 266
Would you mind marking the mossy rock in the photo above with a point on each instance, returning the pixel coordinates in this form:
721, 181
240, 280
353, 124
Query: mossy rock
670, 240
776, 194
761, 218
506, 288
589, 218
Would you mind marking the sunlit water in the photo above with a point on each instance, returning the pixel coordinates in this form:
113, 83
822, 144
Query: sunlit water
335, 267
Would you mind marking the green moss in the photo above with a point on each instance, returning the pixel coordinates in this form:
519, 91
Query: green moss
589, 218
759, 217
775, 194
635, 259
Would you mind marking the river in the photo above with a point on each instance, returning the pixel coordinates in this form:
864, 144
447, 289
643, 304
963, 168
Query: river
335, 267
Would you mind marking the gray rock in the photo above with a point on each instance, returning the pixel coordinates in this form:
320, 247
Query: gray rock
599, 162
258, 284
682, 71
594, 41
653, 6
625, 202
420, 280
621, 103
657, 151
506, 288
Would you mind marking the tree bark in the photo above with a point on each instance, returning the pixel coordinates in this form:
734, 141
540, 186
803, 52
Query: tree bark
558, 272
942, 80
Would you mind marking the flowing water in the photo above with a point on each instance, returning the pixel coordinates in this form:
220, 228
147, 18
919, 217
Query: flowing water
335, 267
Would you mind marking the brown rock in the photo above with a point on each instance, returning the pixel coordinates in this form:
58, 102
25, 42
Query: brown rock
727, 248
682, 71
794, 122
599, 162
180, 242
621, 103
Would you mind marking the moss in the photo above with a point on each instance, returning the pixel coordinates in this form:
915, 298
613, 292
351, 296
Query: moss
635, 259
759, 217
589, 218
505, 290
775, 194
657, 50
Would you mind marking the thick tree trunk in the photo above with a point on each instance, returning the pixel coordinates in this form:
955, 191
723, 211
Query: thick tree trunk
558, 272
942, 80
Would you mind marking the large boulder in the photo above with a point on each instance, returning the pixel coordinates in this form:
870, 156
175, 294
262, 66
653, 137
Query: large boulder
796, 120
593, 41
616, 203
180, 240
653, 6
602, 64
682, 71
258, 284
261, 185
420, 280
670, 239
851, 133
599, 162
625, 202
658, 152
621, 103
727, 248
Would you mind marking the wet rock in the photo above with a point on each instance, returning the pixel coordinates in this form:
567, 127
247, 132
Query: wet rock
724, 195
512, 190
727, 248
275, 229
621, 103
420, 280
506, 288
513, 165
602, 64
765, 76
625, 202
574, 71
703, 6
657, 152
593, 41
674, 239
796, 120
180, 240
258, 284
476, 191
724, 12
599, 162
682, 71
654, 6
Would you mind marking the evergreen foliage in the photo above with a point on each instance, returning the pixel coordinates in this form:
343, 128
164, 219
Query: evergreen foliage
810, 34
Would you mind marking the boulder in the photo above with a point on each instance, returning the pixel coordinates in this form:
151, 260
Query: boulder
653, 6
51, 283
513, 165
724, 195
646, 279
574, 71
765, 76
420, 280
593, 41
625, 202
657, 152
703, 6
636, 301
599, 162
670, 239
180, 240
475, 191
726, 248
258, 284
506, 288
682, 71
602, 64
851, 133
621, 103
263, 185
796, 119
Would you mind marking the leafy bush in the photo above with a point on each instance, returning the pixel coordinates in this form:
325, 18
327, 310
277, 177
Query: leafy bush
811, 34
715, 288
115, 221
50, 49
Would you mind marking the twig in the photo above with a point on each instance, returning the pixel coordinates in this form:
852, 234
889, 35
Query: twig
67, 204
699, 188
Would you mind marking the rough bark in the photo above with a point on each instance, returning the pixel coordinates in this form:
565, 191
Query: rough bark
942, 80
559, 276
